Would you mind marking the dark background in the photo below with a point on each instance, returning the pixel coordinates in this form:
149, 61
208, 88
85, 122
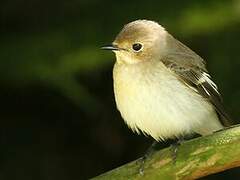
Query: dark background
58, 118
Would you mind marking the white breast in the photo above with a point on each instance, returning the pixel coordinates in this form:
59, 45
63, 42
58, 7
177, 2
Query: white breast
155, 102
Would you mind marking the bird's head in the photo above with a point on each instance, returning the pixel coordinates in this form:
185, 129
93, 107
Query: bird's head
139, 41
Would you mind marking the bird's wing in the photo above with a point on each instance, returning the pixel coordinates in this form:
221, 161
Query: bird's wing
193, 73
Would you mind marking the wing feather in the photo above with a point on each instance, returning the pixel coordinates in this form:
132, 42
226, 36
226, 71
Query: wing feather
190, 68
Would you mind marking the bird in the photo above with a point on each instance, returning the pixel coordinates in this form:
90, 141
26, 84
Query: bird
161, 87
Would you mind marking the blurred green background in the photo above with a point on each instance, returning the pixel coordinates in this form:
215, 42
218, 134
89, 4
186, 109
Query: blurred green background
58, 115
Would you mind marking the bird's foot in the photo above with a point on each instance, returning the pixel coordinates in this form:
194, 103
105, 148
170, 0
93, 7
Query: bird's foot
146, 156
142, 162
174, 149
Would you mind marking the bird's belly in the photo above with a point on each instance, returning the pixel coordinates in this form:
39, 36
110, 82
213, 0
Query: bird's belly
161, 106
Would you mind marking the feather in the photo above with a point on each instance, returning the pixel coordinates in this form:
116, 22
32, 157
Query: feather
190, 68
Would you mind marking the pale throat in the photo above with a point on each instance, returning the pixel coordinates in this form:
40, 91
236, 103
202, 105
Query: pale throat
125, 58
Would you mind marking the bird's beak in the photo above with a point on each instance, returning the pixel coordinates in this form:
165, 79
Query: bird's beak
111, 47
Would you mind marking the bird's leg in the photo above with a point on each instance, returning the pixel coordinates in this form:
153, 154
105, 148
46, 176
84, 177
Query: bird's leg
152, 149
174, 148
147, 155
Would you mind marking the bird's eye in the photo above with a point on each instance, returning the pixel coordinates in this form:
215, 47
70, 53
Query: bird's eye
137, 47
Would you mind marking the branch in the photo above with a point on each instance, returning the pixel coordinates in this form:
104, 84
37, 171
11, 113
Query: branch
196, 158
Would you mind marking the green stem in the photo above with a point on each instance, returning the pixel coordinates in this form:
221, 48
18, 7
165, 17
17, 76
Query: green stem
196, 158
